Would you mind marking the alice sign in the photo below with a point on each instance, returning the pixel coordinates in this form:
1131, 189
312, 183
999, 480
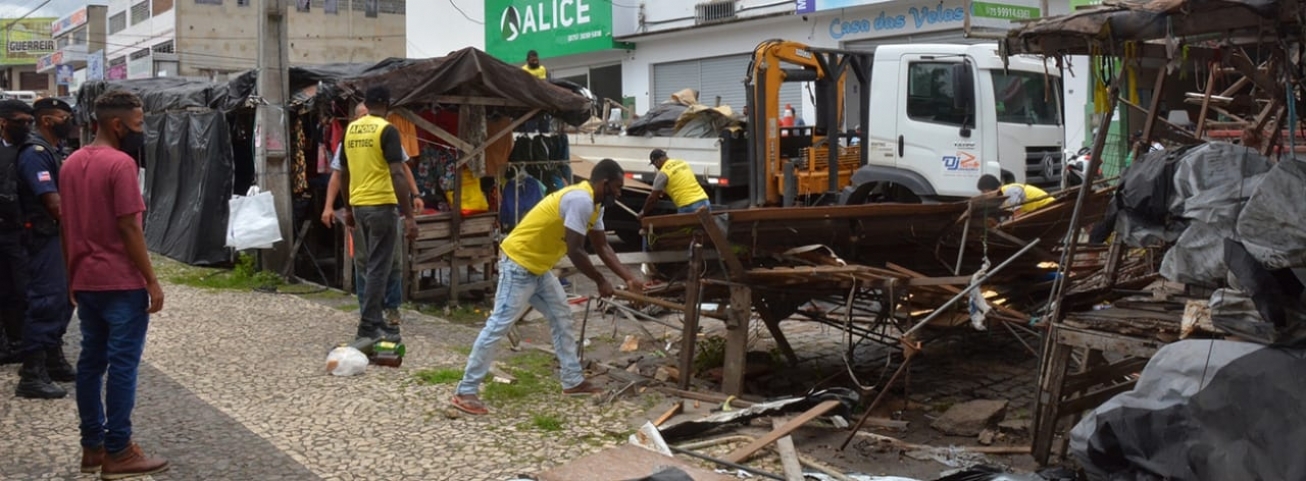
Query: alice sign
551, 27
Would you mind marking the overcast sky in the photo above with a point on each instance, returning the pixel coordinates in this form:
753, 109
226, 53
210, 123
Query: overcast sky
56, 8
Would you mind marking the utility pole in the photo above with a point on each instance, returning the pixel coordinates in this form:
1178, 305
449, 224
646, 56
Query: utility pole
270, 139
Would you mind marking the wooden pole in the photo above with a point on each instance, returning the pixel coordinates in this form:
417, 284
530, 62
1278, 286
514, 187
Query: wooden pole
689, 332
1206, 104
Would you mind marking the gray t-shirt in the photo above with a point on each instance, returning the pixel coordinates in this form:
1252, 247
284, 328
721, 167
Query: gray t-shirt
577, 207
1015, 196
660, 182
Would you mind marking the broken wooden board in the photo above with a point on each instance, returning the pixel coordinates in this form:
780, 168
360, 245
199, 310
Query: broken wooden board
741, 454
624, 462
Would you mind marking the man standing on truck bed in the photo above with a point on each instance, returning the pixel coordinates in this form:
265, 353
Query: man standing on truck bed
677, 181
1021, 198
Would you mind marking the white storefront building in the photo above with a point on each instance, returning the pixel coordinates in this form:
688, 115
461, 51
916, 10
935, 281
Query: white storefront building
659, 47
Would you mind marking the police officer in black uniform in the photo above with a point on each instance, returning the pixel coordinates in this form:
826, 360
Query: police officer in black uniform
16, 116
48, 307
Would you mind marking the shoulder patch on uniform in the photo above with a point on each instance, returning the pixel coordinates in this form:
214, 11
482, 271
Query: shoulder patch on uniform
43, 176
40, 148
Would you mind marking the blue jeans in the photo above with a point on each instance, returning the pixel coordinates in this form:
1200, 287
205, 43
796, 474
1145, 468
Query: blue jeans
691, 208
113, 337
518, 288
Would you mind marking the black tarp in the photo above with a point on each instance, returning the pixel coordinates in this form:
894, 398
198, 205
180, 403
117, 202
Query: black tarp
472, 73
171, 93
188, 185
1202, 411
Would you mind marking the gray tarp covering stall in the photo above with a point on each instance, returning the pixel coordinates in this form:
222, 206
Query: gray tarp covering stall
471, 73
1202, 411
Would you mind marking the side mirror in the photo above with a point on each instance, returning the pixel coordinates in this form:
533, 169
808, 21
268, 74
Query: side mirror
963, 90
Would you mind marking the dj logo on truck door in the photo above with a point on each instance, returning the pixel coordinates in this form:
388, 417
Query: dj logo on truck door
962, 162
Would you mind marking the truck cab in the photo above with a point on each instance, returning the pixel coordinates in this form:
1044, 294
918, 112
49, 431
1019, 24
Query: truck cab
943, 115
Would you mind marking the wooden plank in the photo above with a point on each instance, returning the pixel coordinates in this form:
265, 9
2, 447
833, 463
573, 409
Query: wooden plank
675, 409
467, 157
631, 258
737, 319
433, 129
793, 468
939, 281
625, 462
954, 291
443, 292
741, 454
722, 244
689, 332
470, 100
1206, 103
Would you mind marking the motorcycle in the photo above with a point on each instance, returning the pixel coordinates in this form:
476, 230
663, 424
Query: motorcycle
1075, 168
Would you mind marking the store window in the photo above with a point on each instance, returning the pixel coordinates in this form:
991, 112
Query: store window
931, 97
79, 36
165, 47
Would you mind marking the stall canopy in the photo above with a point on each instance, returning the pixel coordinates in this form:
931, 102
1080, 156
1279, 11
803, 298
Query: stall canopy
1107, 26
471, 73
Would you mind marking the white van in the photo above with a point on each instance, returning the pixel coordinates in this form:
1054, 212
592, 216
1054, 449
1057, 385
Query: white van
24, 95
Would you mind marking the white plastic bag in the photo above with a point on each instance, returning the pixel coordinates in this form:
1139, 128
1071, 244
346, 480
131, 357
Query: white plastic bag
346, 361
253, 222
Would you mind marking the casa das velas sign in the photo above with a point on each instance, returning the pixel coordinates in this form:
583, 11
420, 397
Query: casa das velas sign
552, 28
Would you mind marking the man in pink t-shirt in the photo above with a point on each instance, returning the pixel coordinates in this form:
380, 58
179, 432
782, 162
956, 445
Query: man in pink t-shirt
112, 283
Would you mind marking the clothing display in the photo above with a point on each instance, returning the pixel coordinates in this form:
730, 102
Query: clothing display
407, 133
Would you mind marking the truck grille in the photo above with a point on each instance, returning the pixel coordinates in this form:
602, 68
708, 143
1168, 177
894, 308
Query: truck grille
1043, 166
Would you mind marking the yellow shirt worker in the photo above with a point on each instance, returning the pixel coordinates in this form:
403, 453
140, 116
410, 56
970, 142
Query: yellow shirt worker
1021, 198
558, 226
533, 66
677, 181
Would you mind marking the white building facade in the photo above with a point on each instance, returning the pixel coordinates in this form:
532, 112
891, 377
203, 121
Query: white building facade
659, 47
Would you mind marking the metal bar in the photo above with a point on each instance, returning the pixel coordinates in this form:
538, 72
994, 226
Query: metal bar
727, 464
969, 288
878, 397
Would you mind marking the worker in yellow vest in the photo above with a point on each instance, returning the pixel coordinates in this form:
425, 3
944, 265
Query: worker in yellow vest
533, 66
372, 172
557, 226
677, 181
1021, 198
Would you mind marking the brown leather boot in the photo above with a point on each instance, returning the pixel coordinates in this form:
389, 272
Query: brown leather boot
92, 459
131, 462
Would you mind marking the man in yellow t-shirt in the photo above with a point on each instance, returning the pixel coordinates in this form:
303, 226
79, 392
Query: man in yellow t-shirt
1021, 198
675, 179
557, 226
533, 66
372, 171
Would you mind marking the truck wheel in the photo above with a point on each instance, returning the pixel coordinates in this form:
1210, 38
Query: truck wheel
883, 193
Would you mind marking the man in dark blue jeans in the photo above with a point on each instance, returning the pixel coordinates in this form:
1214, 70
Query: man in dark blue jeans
112, 282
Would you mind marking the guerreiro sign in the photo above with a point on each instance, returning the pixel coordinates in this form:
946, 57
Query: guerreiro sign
551, 27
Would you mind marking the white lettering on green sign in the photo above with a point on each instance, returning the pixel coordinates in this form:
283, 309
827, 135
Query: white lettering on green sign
543, 17
1003, 11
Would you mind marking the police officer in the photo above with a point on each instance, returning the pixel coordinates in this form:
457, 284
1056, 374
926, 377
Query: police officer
15, 120
48, 307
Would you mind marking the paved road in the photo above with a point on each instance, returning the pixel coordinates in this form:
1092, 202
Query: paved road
232, 387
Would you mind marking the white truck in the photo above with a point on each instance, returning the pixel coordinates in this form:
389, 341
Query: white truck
935, 118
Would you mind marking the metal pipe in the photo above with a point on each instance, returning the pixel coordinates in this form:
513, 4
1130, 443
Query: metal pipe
969, 288
727, 464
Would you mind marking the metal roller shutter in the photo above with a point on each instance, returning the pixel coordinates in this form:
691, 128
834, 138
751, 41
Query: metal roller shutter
712, 77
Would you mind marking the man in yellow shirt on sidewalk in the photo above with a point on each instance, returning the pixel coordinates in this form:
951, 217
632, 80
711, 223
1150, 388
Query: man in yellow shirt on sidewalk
556, 227
677, 181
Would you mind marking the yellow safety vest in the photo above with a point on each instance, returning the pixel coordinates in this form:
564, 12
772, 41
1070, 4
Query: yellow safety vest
1035, 198
369, 173
540, 240
682, 186
539, 73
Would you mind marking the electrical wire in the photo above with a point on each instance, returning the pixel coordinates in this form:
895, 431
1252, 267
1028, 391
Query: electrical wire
465, 15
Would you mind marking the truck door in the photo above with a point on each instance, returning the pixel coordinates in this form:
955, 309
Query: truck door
936, 123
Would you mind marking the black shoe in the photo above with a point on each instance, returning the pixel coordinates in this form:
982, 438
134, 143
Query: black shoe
34, 382
56, 365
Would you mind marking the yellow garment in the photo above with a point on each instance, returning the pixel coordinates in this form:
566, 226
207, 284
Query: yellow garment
539, 73
369, 173
407, 134
1035, 198
473, 200
540, 240
682, 186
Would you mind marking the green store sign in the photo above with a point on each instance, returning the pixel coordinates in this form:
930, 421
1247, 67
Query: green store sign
551, 27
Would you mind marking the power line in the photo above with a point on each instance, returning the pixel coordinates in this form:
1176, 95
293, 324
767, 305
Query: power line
468, 17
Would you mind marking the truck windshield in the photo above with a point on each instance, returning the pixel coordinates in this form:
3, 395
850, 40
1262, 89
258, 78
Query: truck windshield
1027, 97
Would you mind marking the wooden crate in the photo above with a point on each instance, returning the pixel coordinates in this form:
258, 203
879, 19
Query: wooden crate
437, 252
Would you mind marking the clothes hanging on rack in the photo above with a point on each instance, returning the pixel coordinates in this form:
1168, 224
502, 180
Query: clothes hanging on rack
299, 164
498, 152
407, 134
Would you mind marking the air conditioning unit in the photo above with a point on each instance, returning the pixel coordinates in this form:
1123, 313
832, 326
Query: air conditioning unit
714, 12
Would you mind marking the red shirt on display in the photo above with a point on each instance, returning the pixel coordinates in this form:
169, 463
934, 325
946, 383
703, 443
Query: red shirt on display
97, 185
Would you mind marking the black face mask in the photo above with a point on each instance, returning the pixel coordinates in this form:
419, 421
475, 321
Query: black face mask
131, 142
62, 130
17, 133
